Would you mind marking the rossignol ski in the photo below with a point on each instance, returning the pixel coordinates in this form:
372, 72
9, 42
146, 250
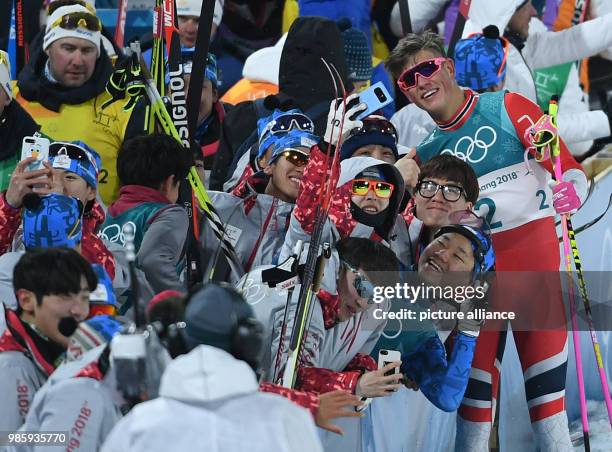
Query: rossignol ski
178, 112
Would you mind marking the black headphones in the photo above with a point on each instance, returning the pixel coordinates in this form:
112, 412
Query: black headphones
246, 337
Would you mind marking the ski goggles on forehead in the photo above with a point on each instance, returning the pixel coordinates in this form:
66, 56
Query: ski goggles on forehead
361, 187
378, 124
427, 69
60, 3
363, 286
72, 21
294, 121
295, 157
72, 151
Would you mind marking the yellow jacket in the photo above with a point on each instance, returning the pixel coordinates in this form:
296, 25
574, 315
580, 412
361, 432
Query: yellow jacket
103, 130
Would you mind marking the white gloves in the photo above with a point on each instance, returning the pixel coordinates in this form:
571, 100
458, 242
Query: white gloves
334, 120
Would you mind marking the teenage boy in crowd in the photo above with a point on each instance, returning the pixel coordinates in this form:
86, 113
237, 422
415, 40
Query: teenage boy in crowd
52, 286
73, 170
446, 185
258, 210
150, 169
525, 238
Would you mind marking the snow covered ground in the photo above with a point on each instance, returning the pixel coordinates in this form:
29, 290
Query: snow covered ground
600, 432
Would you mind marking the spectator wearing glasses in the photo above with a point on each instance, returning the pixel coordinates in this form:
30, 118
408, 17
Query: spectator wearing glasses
72, 170
258, 210
488, 131
63, 87
446, 185
378, 138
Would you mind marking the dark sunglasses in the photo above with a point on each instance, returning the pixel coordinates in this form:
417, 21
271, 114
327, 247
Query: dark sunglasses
426, 69
361, 187
428, 189
72, 21
295, 157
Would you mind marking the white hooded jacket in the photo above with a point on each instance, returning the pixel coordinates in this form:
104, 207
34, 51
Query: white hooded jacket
210, 401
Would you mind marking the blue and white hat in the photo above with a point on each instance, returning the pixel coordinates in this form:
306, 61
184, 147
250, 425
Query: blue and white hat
482, 245
278, 124
293, 139
91, 333
53, 220
480, 59
76, 157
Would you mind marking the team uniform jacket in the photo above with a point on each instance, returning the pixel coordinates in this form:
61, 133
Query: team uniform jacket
78, 399
23, 370
160, 233
256, 223
487, 133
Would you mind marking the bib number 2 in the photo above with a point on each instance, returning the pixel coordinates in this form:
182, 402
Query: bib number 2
491, 211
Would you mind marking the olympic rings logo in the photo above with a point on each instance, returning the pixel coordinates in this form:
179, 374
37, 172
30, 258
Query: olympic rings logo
115, 233
477, 148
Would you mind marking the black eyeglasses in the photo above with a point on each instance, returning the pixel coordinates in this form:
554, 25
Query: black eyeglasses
428, 189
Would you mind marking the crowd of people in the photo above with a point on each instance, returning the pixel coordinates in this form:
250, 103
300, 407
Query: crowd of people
314, 208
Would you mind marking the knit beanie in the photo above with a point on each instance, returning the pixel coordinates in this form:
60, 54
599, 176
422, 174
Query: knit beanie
212, 316
480, 60
54, 31
358, 55
364, 139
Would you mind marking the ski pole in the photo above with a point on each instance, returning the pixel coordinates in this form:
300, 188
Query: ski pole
558, 175
571, 238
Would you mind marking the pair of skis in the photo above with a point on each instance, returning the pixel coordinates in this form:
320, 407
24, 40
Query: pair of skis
181, 123
318, 252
